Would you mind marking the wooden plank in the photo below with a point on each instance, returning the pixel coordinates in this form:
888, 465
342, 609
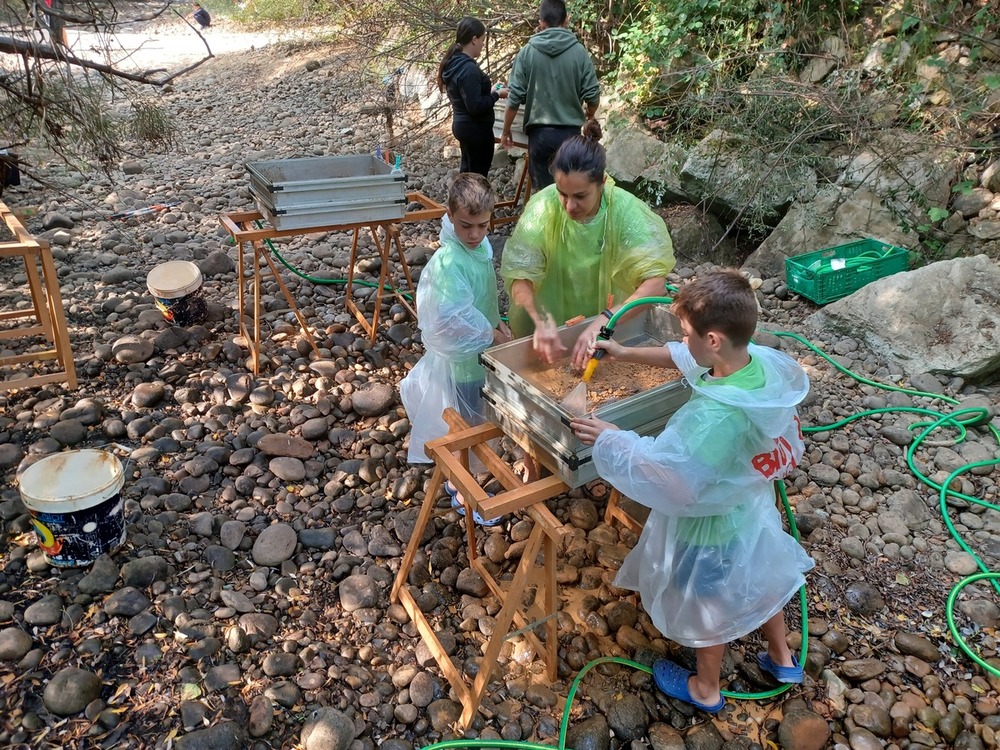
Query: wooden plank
614, 512
460, 437
19, 333
437, 651
39, 296
17, 314
522, 618
551, 605
423, 518
291, 301
430, 210
504, 619
32, 382
16, 359
58, 317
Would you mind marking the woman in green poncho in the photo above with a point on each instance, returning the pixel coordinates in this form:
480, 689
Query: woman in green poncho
579, 242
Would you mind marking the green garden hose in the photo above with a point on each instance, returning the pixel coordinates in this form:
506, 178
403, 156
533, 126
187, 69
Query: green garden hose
317, 280
860, 260
959, 421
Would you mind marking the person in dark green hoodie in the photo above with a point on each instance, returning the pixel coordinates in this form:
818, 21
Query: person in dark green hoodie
472, 96
553, 77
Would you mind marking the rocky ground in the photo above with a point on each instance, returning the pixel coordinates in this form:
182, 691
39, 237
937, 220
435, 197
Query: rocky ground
266, 515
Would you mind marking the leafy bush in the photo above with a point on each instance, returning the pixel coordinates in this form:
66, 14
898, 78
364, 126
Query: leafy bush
151, 124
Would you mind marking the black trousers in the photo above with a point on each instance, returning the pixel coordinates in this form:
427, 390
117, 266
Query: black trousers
543, 142
476, 142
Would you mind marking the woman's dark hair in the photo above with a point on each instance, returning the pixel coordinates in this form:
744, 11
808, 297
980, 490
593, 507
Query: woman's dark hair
467, 29
583, 153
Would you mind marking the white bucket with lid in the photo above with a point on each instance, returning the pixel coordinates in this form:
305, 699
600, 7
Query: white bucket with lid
176, 287
76, 505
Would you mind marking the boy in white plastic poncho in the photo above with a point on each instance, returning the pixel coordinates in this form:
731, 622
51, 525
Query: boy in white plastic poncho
459, 318
713, 562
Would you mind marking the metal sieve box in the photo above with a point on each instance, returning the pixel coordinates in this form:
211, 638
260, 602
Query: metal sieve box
327, 191
529, 415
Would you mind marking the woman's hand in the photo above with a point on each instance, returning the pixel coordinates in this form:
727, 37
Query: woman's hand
501, 334
583, 349
502, 91
546, 341
588, 429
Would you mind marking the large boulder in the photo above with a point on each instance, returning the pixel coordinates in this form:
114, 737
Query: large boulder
943, 318
735, 178
907, 175
835, 217
637, 158
697, 236
832, 53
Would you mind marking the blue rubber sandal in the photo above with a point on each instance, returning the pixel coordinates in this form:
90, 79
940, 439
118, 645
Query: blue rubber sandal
459, 508
672, 680
789, 675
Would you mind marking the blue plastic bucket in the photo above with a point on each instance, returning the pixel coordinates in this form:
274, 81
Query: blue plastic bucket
76, 505
176, 287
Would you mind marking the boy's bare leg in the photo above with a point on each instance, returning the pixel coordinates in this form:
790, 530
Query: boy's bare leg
776, 635
704, 684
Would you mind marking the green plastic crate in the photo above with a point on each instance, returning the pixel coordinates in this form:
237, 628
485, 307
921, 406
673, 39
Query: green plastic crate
825, 275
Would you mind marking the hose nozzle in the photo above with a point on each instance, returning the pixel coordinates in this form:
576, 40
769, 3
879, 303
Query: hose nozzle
588, 372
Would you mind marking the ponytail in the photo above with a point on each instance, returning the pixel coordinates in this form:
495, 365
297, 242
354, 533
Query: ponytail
468, 28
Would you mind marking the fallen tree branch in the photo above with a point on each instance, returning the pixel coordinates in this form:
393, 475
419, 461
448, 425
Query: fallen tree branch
9, 45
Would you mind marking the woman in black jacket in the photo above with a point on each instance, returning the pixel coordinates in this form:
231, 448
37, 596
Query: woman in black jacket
472, 96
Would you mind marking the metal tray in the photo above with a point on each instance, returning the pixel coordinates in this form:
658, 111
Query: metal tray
328, 185
517, 133
332, 213
534, 419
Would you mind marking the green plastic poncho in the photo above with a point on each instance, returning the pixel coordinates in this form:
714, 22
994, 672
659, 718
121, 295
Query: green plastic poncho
713, 562
575, 266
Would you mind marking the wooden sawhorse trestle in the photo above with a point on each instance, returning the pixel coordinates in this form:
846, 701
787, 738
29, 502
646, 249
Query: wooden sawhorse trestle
615, 512
522, 192
44, 321
249, 227
546, 538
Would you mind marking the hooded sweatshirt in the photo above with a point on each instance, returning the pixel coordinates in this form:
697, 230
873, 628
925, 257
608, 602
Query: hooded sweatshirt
469, 90
552, 77
713, 562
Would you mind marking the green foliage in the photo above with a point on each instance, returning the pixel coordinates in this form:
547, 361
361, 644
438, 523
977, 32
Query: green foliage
151, 124
256, 13
936, 214
663, 48
75, 123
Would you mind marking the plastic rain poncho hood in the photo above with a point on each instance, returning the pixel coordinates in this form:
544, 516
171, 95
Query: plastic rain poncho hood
713, 562
575, 266
458, 310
